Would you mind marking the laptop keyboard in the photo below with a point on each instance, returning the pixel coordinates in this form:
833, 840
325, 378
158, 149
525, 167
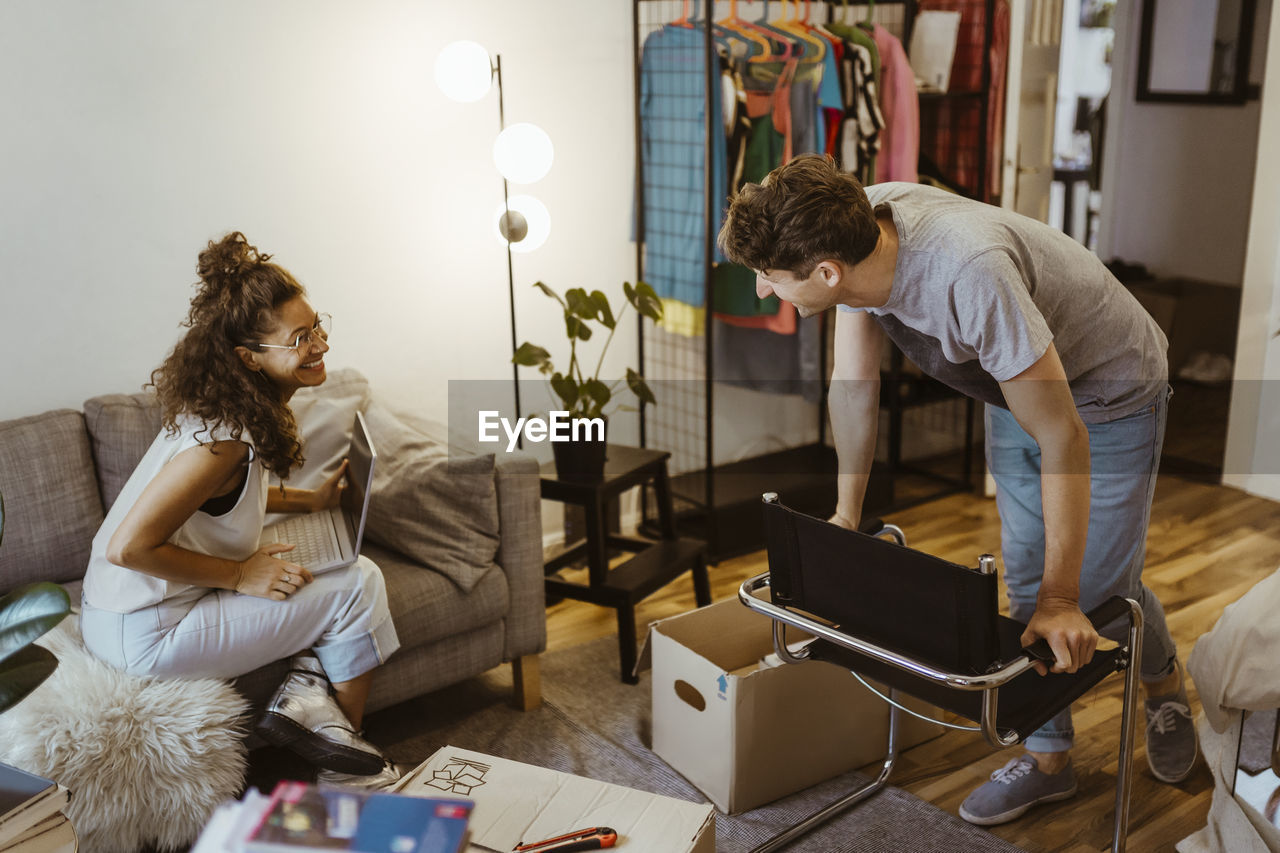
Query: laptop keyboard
313, 538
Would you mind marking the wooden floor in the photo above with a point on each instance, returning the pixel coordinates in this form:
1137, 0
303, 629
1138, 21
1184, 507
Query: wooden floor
1207, 546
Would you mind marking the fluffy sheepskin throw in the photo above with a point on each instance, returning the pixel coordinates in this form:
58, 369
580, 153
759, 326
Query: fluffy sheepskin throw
147, 760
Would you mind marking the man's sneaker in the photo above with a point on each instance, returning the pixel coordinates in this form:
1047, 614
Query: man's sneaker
1013, 789
1171, 736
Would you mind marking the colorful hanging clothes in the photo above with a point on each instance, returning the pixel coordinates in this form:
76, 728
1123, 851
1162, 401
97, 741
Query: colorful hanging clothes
733, 286
860, 130
733, 289
854, 34
900, 106
775, 364
681, 318
831, 112
673, 117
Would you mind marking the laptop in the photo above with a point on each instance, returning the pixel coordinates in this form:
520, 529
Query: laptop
330, 539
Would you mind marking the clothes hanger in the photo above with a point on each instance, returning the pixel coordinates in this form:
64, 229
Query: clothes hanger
683, 20
788, 45
868, 24
808, 26
843, 28
736, 24
814, 48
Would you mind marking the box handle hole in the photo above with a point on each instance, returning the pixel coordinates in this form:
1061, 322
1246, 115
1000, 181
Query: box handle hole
690, 695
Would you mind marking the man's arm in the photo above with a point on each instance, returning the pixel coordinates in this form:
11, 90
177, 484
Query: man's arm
854, 403
1040, 399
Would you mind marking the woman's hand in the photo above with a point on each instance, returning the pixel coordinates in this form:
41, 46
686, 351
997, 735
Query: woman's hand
267, 575
330, 492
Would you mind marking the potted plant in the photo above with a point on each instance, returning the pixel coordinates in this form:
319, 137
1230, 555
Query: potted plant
26, 613
584, 395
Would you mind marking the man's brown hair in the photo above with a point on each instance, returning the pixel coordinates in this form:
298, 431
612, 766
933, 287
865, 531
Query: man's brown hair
803, 212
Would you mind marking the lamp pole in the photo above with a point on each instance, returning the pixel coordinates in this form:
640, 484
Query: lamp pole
513, 228
465, 72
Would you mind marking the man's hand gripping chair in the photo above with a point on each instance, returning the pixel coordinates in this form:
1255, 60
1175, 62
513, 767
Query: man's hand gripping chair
930, 629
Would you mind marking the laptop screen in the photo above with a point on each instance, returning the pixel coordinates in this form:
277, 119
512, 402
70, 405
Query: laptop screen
355, 497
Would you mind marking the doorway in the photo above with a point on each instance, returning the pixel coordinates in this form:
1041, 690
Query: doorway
1160, 190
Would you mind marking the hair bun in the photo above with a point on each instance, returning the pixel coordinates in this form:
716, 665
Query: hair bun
228, 258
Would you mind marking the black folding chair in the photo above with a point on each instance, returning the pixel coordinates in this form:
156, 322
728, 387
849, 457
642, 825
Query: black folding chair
927, 628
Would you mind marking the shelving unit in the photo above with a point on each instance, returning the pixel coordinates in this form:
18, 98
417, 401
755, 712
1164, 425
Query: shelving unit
719, 501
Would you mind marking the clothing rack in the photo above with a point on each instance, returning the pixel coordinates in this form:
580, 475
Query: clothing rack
718, 499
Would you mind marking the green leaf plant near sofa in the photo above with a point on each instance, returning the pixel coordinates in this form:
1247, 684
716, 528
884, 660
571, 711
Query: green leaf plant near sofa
457, 534
26, 614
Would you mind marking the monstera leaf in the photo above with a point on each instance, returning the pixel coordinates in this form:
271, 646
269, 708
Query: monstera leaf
22, 672
26, 613
582, 393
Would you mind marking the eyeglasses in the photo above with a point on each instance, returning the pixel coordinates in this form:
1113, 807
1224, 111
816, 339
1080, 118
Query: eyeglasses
320, 330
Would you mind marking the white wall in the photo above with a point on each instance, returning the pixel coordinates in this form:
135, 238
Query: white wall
1177, 178
1253, 457
137, 130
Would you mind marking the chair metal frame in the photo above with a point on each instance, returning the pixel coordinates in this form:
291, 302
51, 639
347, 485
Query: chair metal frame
990, 683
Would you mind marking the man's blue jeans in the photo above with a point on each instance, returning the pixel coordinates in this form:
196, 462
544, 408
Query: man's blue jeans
1124, 458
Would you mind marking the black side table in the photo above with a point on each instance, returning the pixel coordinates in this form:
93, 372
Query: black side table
653, 564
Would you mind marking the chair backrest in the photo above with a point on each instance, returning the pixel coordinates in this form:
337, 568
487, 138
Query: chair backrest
913, 603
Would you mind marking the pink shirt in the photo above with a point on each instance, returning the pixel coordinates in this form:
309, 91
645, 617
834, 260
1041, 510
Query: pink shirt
900, 105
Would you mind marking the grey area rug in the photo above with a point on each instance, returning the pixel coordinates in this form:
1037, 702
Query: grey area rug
591, 724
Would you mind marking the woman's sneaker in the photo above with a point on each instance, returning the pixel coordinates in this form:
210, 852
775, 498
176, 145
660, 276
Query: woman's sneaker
1013, 789
304, 717
385, 778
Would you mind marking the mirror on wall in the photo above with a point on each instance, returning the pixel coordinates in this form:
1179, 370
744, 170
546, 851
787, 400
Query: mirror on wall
1195, 51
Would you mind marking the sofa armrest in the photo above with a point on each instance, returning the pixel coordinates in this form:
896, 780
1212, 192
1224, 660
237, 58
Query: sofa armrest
520, 553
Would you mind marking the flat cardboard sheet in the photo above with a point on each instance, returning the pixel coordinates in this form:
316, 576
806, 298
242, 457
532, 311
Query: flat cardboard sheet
519, 803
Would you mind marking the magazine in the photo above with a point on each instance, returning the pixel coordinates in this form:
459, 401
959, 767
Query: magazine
304, 817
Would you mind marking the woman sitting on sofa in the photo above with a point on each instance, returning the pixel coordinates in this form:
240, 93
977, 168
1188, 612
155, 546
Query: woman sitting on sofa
177, 584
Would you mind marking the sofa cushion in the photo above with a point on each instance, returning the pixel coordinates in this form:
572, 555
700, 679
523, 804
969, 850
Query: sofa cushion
51, 502
437, 507
121, 428
427, 607
324, 415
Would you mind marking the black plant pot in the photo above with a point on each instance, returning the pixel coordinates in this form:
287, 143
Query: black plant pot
581, 461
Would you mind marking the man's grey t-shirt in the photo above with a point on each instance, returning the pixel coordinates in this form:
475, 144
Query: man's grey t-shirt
980, 292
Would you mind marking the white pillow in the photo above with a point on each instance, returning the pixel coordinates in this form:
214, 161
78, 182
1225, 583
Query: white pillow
325, 415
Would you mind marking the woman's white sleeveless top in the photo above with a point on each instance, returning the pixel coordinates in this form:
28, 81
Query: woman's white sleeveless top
231, 536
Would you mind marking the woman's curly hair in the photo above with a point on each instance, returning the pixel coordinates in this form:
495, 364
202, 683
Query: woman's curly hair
238, 295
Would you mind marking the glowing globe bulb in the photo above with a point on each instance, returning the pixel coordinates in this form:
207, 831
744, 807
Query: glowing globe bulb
526, 227
463, 71
523, 153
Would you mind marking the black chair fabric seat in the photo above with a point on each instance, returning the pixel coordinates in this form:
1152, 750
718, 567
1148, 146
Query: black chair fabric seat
1025, 703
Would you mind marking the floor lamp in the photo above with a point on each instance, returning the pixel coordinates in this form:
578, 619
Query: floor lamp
522, 152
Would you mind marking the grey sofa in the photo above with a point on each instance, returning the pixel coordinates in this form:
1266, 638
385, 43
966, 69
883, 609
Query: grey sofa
457, 536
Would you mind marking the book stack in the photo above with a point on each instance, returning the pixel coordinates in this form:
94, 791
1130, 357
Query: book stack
299, 818
31, 814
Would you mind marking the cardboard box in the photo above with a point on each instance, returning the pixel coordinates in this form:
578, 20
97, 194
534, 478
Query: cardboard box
519, 803
746, 735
